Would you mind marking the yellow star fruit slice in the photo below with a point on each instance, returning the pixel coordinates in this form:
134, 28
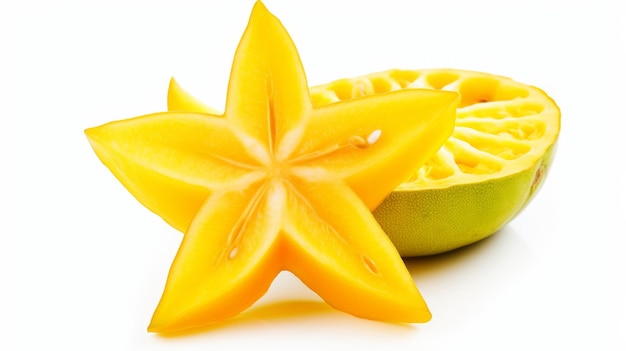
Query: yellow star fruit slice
278, 184
484, 175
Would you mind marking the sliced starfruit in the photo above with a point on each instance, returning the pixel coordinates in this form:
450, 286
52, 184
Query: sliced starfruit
278, 184
489, 169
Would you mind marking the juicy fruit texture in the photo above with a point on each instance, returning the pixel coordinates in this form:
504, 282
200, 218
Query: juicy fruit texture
493, 164
277, 184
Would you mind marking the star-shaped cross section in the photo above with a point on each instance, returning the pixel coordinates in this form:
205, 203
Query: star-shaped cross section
275, 184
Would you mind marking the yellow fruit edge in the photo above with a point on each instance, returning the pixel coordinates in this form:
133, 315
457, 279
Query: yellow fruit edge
430, 216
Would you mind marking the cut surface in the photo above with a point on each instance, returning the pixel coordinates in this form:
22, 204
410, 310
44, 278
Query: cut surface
483, 176
277, 184
487, 171
502, 126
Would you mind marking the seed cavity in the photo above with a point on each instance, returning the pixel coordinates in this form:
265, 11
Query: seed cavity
370, 265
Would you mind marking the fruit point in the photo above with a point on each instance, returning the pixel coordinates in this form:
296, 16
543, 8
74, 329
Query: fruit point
277, 183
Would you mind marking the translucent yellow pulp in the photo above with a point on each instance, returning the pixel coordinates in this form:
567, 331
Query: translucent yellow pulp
502, 126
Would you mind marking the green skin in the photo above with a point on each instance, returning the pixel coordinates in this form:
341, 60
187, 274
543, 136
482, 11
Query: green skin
432, 221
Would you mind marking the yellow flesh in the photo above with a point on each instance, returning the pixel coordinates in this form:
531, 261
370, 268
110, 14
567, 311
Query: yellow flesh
502, 126
277, 184
484, 175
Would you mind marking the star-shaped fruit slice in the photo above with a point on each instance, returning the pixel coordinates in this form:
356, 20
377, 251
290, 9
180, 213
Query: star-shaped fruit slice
275, 184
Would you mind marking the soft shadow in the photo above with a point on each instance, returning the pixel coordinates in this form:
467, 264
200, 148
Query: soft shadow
281, 313
303, 309
461, 284
284, 312
288, 309
281, 310
498, 249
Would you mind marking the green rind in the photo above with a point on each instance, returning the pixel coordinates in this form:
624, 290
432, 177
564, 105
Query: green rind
431, 221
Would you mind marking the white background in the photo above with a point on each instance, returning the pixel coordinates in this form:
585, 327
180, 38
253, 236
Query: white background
82, 264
